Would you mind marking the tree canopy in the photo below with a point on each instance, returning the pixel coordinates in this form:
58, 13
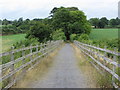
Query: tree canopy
41, 31
70, 20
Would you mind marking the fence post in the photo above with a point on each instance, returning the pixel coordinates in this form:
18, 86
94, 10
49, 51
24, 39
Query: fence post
41, 48
94, 51
31, 57
104, 62
105, 54
44, 49
90, 50
114, 67
98, 52
23, 61
50, 46
23, 54
12, 66
36, 50
47, 47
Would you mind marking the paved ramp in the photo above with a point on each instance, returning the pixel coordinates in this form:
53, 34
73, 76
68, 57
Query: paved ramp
64, 73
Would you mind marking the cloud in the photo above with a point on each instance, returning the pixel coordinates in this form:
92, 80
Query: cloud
13, 9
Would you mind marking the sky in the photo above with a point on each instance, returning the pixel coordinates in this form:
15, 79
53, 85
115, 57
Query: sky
14, 9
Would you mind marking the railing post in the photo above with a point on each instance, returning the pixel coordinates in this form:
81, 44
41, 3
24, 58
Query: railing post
31, 57
47, 47
36, 50
114, 67
12, 66
104, 62
98, 52
44, 48
23, 61
41, 48
105, 54
98, 49
23, 54
90, 50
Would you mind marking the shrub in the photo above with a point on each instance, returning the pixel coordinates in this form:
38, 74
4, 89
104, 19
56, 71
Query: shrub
26, 42
83, 37
73, 37
58, 35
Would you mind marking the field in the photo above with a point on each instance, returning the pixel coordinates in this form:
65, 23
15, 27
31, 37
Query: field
96, 34
7, 41
100, 34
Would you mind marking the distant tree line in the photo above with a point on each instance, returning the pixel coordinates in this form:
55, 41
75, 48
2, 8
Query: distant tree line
105, 23
23, 26
16, 26
61, 23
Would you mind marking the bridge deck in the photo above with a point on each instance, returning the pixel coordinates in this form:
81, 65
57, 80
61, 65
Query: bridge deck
64, 73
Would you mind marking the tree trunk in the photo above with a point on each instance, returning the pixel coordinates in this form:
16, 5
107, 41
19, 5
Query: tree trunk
67, 36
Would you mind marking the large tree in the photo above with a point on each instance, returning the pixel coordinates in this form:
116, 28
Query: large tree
114, 22
94, 22
103, 22
71, 20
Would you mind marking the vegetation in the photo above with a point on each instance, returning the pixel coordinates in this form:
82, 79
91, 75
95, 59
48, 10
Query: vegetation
58, 35
100, 37
102, 34
41, 31
9, 40
105, 23
105, 37
70, 20
63, 23
16, 26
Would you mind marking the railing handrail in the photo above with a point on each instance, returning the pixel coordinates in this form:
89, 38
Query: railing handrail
21, 49
105, 50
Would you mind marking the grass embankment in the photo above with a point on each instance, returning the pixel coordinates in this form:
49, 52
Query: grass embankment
101, 34
8, 40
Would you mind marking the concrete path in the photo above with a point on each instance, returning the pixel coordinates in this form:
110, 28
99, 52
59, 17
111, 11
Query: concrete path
64, 73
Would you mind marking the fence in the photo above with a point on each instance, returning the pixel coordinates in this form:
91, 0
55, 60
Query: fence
22, 60
103, 60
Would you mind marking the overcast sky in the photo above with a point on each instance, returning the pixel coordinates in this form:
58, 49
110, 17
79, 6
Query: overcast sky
14, 9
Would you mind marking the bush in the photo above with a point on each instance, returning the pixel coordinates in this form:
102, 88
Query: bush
83, 37
73, 37
58, 35
26, 42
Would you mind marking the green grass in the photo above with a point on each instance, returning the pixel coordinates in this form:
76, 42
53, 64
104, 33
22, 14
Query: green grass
7, 41
102, 34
